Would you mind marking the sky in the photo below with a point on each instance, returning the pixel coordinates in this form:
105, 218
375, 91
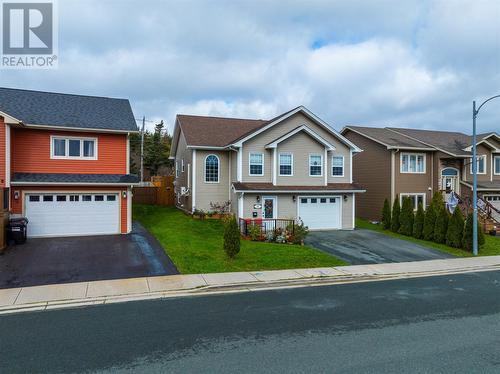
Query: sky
373, 63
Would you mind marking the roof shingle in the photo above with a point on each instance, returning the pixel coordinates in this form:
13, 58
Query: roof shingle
74, 178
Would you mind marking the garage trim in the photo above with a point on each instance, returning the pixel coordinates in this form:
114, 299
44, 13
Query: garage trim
341, 223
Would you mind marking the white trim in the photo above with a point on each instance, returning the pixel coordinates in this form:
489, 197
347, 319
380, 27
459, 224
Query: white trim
176, 169
189, 177
353, 211
129, 210
300, 191
250, 164
240, 205
275, 206
495, 159
309, 164
9, 119
350, 166
206, 147
409, 154
240, 164
341, 213
326, 167
393, 176
403, 194
229, 162
66, 150
81, 129
279, 163
7, 156
478, 157
205, 169
306, 111
128, 154
193, 197
306, 129
343, 166
275, 172
183, 168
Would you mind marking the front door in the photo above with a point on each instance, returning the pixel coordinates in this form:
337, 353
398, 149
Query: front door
449, 181
269, 207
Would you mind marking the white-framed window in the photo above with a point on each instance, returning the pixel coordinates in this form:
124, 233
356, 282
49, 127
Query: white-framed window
315, 165
182, 165
416, 198
256, 164
481, 164
496, 169
176, 169
212, 169
68, 147
413, 163
285, 164
337, 166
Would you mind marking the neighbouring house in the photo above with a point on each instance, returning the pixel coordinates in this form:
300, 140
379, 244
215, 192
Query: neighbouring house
416, 163
292, 166
64, 162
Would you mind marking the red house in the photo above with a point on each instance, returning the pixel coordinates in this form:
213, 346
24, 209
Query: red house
64, 162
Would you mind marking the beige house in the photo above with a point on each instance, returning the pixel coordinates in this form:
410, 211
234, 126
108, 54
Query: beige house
416, 163
292, 166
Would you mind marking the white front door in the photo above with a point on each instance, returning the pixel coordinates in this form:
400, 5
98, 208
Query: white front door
69, 214
321, 212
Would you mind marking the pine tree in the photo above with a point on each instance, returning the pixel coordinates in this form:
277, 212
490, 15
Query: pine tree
386, 215
429, 223
467, 238
441, 225
455, 232
396, 211
418, 224
407, 217
231, 237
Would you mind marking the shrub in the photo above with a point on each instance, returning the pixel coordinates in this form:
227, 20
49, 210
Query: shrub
455, 231
255, 232
407, 217
441, 225
220, 208
468, 232
231, 238
300, 231
418, 223
396, 211
429, 223
386, 215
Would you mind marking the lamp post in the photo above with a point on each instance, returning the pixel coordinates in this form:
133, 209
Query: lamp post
474, 171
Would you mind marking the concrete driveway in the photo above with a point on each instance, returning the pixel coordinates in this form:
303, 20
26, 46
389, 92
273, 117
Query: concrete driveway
86, 258
370, 247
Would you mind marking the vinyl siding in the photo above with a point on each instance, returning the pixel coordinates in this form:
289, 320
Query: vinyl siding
2, 152
31, 153
182, 181
414, 183
371, 169
17, 206
211, 192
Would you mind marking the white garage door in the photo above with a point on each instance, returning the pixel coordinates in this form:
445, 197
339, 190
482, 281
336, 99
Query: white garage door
321, 212
63, 214
495, 201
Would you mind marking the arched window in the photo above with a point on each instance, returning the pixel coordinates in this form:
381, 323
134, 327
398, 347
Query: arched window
449, 172
212, 169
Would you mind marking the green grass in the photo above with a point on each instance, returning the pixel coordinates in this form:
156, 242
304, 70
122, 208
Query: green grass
196, 246
491, 248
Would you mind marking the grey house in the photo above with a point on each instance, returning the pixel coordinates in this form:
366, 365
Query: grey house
292, 166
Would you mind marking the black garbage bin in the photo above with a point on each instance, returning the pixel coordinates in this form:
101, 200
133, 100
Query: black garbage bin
17, 230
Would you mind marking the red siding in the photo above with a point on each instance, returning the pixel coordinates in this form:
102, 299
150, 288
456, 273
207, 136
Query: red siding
17, 205
2, 152
31, 153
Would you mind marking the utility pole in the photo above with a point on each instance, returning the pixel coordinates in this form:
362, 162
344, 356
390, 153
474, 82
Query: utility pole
142, 148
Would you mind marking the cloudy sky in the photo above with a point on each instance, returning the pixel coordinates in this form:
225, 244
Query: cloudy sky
377, 63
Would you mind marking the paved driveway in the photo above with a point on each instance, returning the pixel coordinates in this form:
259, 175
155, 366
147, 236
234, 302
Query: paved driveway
78, 259
370, 247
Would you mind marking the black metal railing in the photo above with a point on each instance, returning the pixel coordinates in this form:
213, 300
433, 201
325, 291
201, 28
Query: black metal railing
266, 226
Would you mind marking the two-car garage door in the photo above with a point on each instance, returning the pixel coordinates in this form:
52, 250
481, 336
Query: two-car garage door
66, 214
321, 213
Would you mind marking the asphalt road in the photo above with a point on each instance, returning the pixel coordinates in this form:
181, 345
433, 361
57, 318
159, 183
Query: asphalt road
427, 325
360, 246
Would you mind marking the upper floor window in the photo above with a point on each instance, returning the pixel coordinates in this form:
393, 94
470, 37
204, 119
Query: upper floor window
256, 164
338, 166
497, 165
182, 165
73, 148
315, 165
286, 164
212, 169
412, 163
481, 165
176, 169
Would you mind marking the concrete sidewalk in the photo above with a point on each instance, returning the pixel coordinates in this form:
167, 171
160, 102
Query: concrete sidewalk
14, 300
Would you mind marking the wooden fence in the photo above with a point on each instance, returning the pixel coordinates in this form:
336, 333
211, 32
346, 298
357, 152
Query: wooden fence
162, 193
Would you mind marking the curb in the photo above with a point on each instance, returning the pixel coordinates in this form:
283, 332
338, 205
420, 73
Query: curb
235, 288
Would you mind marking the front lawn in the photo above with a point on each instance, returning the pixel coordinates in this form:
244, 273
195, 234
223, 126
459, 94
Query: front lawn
491, 248
196, 246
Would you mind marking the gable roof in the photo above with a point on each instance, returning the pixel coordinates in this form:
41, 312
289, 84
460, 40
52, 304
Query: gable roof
304, 128
221, 132
68, 111
390, 139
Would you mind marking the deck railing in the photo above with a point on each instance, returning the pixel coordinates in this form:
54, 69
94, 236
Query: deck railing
266, 225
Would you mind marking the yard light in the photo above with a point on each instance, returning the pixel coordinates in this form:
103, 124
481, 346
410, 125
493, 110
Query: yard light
474, 172
124, 194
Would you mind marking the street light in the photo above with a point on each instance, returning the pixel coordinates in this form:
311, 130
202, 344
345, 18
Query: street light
474, 171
